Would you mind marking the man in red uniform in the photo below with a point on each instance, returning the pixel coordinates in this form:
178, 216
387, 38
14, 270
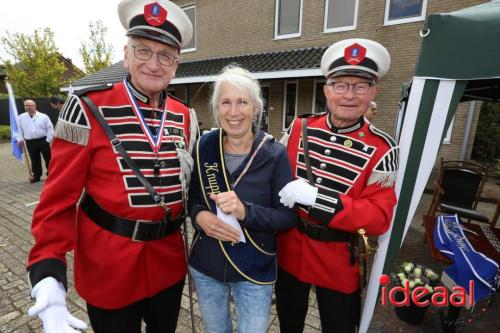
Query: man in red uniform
129, 258
345, 171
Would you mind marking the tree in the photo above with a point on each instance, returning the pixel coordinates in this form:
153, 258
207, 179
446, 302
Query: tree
37, 69
487, 141
97, 53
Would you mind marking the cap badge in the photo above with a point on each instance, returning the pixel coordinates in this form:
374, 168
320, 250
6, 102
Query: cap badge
155, 14
354, 54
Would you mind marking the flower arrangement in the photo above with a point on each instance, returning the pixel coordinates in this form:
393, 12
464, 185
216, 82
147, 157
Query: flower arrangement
415, 283
417, 275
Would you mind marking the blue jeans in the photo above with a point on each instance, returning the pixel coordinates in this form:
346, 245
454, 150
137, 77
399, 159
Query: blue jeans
252, 304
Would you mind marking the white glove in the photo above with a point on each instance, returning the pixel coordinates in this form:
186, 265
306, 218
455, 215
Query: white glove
298, 191
50, 306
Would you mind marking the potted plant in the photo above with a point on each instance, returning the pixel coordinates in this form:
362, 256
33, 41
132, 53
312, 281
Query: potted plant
408, 278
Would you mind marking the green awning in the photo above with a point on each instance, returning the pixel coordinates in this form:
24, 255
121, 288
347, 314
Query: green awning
462, 45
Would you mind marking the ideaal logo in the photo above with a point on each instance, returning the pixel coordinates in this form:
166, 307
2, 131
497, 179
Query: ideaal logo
422, 296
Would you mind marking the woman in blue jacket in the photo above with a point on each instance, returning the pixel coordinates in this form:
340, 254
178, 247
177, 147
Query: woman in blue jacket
235, 208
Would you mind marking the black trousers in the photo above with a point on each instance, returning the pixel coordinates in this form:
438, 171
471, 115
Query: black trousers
160, 313
35, 148
338, 312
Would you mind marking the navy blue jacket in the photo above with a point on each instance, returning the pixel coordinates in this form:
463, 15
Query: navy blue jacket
265, 215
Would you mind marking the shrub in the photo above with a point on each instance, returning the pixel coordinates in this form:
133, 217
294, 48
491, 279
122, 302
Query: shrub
4, 132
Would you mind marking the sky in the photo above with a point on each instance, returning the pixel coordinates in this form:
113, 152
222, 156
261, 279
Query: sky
68, 19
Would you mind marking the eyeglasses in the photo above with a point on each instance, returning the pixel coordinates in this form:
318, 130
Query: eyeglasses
360, 88
142, 52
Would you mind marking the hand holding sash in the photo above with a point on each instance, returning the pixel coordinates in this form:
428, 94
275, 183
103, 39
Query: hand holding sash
229, 203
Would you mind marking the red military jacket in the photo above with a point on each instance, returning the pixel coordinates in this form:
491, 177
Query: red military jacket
354, 169
111, 271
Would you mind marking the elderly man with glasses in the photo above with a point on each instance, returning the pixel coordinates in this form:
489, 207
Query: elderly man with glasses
127, 148
345, 172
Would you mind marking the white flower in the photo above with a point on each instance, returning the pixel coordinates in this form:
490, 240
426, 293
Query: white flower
408, 267
429, 273
417, 275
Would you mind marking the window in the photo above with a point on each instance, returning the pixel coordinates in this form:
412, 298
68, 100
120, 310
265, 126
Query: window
289, 104
264, 124
179, 91
171, 90
447, 137
340, 15
191, 13
319, 100
288, 20
404, 11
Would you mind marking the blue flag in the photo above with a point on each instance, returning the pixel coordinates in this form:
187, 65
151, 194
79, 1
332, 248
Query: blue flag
14, 131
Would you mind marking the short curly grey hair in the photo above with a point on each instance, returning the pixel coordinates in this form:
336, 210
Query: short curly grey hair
243, 80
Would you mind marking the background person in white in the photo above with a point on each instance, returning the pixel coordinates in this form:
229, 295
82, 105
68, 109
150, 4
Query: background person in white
36, 129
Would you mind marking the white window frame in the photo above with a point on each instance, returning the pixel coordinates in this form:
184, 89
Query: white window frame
283, 128
276, 20
447, 137
346, 28
406, 19
315, 83
193, 49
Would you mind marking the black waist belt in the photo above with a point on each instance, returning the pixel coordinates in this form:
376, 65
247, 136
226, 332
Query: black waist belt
138, 230
43, 138
322, 233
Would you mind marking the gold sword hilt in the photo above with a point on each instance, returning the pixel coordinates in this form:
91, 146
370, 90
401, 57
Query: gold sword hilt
368, 248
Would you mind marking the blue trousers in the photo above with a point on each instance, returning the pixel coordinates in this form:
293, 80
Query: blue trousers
252, 304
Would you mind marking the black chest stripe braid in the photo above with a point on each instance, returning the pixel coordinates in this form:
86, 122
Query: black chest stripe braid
127, 128
327, 202
337, 159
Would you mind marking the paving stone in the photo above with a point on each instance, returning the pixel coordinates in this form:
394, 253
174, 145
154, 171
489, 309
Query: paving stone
4, 319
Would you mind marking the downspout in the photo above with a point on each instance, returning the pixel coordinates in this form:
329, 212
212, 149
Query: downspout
468, 125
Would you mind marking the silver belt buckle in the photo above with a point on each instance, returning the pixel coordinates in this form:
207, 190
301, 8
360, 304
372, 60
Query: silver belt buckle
136, 229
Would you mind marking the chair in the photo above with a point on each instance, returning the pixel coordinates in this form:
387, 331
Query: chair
458, 189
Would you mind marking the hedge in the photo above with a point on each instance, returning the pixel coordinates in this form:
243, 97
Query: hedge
4, 132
